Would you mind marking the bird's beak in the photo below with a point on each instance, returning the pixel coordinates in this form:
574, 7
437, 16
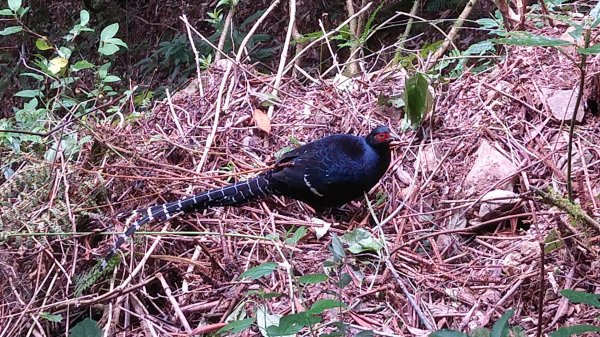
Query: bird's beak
394, 136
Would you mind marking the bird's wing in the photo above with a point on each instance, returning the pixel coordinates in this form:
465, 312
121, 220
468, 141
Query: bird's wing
320, 168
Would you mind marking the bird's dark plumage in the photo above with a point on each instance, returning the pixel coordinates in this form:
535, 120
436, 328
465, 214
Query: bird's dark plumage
325, 173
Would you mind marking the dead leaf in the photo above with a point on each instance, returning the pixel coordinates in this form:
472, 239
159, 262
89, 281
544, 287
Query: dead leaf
262, 120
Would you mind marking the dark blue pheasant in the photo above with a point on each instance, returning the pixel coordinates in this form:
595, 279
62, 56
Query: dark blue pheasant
325, 173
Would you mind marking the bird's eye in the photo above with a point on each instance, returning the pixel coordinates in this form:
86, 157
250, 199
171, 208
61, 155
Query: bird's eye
382, 137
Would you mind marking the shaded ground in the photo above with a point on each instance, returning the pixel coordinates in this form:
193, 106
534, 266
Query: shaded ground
461, 278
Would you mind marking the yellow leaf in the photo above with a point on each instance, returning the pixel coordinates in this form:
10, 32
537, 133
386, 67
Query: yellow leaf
262, 120
57, 63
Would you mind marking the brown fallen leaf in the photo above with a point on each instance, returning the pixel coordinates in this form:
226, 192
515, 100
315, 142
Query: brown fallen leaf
262, 120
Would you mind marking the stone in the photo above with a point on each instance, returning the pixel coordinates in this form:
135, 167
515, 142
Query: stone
489, 167
562, 103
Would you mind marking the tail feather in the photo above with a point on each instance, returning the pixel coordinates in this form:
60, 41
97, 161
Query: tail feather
230, 195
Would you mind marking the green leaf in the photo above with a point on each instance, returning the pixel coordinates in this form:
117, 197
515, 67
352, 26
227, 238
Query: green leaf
237, 326
111, 79
552, 242
108, 49
312, 278
57, 64
86, 328
325, 304
265, 320
11, 30
595, 49
360, 241
28, 93
268, 99
501, 327
42, 44
109, 32
269, 295
259, 271
51, 317
595, 12
298, 235
103, 70
116, 41
531, 40
84, 17
365, 333
574, 330
581, 297
336, 248
6, 12
81, 65
14, 5
345, 280
447, 333
35, 76
517, 331
415, 98
289, 325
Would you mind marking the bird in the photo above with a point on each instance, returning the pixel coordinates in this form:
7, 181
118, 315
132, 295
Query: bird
325, 173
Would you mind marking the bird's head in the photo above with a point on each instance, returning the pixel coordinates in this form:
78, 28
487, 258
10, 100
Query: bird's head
381, 136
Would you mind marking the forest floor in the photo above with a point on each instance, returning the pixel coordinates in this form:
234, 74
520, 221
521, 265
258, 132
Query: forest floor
462, 270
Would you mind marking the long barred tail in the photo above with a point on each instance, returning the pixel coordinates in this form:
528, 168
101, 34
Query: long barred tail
230, 195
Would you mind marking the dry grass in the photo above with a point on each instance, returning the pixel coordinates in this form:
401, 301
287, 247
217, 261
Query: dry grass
460, 278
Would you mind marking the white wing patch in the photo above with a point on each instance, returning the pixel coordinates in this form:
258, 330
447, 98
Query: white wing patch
312, 189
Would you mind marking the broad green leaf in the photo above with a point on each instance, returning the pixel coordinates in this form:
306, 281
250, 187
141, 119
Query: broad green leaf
57, 64
237, 326
345, 280
111, 79
28, 93
312, 278
268, 99
552, 242
283, 151
109, 32
35, 76
531, 40
595, 49
11, 30
595, 12
85, 139
298, 235
80, 65
325, 304
289, 325
14, 5
51, 317
415, 98
581, 297
360, 241
447, 333
577, 32
574, 330
108, 49
116, 41
42, 44
264, 320
86, 328
84, 17
259, 271
6, 12
336, 248
103, 70
501, 327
